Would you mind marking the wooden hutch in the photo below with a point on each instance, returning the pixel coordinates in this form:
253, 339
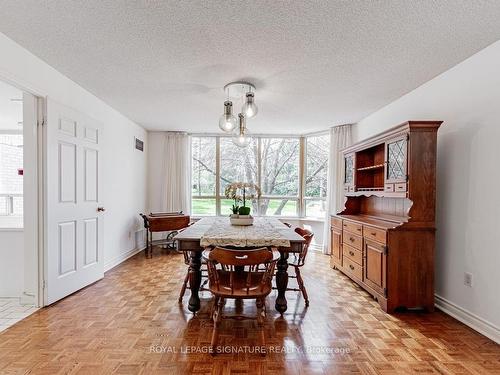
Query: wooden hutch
384, 237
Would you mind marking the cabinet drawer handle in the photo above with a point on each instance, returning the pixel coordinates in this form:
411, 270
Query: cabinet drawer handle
373, 233
351, 239
351, 267
351, 253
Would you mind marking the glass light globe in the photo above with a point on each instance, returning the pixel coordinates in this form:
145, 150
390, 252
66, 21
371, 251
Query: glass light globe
249, 109
241, 140
227, 123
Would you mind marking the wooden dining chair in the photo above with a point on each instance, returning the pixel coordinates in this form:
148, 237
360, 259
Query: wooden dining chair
240, 274
299, 261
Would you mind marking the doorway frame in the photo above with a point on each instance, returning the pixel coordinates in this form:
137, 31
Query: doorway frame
38, 193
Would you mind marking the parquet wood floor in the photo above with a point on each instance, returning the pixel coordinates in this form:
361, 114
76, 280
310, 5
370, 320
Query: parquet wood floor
131, 323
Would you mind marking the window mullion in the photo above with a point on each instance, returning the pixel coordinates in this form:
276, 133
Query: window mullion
302, 180
217, 177
259, 169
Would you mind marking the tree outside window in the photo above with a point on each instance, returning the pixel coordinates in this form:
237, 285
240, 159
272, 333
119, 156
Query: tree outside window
273, 163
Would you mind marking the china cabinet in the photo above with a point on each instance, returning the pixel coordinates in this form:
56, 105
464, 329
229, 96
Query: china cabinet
384, 237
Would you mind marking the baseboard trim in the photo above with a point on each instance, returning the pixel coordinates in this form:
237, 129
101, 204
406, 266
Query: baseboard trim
112, 263
469, 319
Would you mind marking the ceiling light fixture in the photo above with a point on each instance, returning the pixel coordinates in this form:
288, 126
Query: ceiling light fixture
240, 93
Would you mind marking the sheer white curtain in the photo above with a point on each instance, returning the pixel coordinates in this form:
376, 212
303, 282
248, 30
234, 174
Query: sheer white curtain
176, 187
340, 137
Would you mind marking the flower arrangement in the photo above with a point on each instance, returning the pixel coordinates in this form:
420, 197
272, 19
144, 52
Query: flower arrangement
240, 192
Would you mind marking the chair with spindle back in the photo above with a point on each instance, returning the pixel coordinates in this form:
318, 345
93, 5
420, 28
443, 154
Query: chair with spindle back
299, 260
240, 274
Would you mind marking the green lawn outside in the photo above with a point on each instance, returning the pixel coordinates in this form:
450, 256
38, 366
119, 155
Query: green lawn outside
207, 207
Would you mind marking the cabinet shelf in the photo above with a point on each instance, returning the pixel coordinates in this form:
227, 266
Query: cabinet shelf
372, 167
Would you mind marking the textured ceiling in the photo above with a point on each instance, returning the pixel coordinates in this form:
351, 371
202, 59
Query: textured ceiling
314, 63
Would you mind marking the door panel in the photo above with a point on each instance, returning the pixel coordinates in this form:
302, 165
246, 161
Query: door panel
91, 241
74, 228
67, 172
91, 165
336, 242
375, 265
67, 248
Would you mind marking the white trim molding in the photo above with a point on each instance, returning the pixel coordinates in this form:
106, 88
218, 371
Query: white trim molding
469, 319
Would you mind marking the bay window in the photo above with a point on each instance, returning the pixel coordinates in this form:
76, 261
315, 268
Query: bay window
292, 179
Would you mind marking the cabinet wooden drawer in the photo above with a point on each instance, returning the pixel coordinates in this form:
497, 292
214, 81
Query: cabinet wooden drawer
352, 240
336, 222
352, 227
353, 268
389, 187
353, 254
400, 187
375, 234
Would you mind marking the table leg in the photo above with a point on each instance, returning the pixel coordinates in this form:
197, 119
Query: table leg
150, 247
282, 282
194, 280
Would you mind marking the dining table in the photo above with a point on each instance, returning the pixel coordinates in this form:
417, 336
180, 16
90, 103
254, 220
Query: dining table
210, 232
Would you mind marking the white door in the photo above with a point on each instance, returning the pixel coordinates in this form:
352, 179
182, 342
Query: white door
74, 222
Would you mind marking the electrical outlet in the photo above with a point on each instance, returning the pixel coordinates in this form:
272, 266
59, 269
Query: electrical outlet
468, 279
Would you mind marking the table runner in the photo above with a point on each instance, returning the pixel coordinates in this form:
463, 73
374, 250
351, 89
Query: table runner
264, 232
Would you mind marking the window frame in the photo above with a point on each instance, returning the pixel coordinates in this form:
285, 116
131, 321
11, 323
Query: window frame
306, 198
300, 198
11, 196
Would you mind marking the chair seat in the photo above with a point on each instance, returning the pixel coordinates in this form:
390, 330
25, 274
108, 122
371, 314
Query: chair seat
255, 289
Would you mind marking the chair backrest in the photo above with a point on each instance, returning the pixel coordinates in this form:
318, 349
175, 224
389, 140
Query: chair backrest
308, 236
247, 264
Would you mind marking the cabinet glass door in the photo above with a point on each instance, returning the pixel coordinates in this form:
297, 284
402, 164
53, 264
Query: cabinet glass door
349, 170
396, 160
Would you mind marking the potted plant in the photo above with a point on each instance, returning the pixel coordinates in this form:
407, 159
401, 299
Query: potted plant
248, 190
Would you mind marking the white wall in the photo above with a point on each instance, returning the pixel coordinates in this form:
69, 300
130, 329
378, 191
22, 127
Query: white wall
467, 98
11, 262
124, 168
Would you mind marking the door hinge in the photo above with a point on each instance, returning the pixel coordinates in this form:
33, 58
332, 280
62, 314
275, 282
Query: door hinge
44, 284
385, 250
407, 136
385, 292
42, 122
